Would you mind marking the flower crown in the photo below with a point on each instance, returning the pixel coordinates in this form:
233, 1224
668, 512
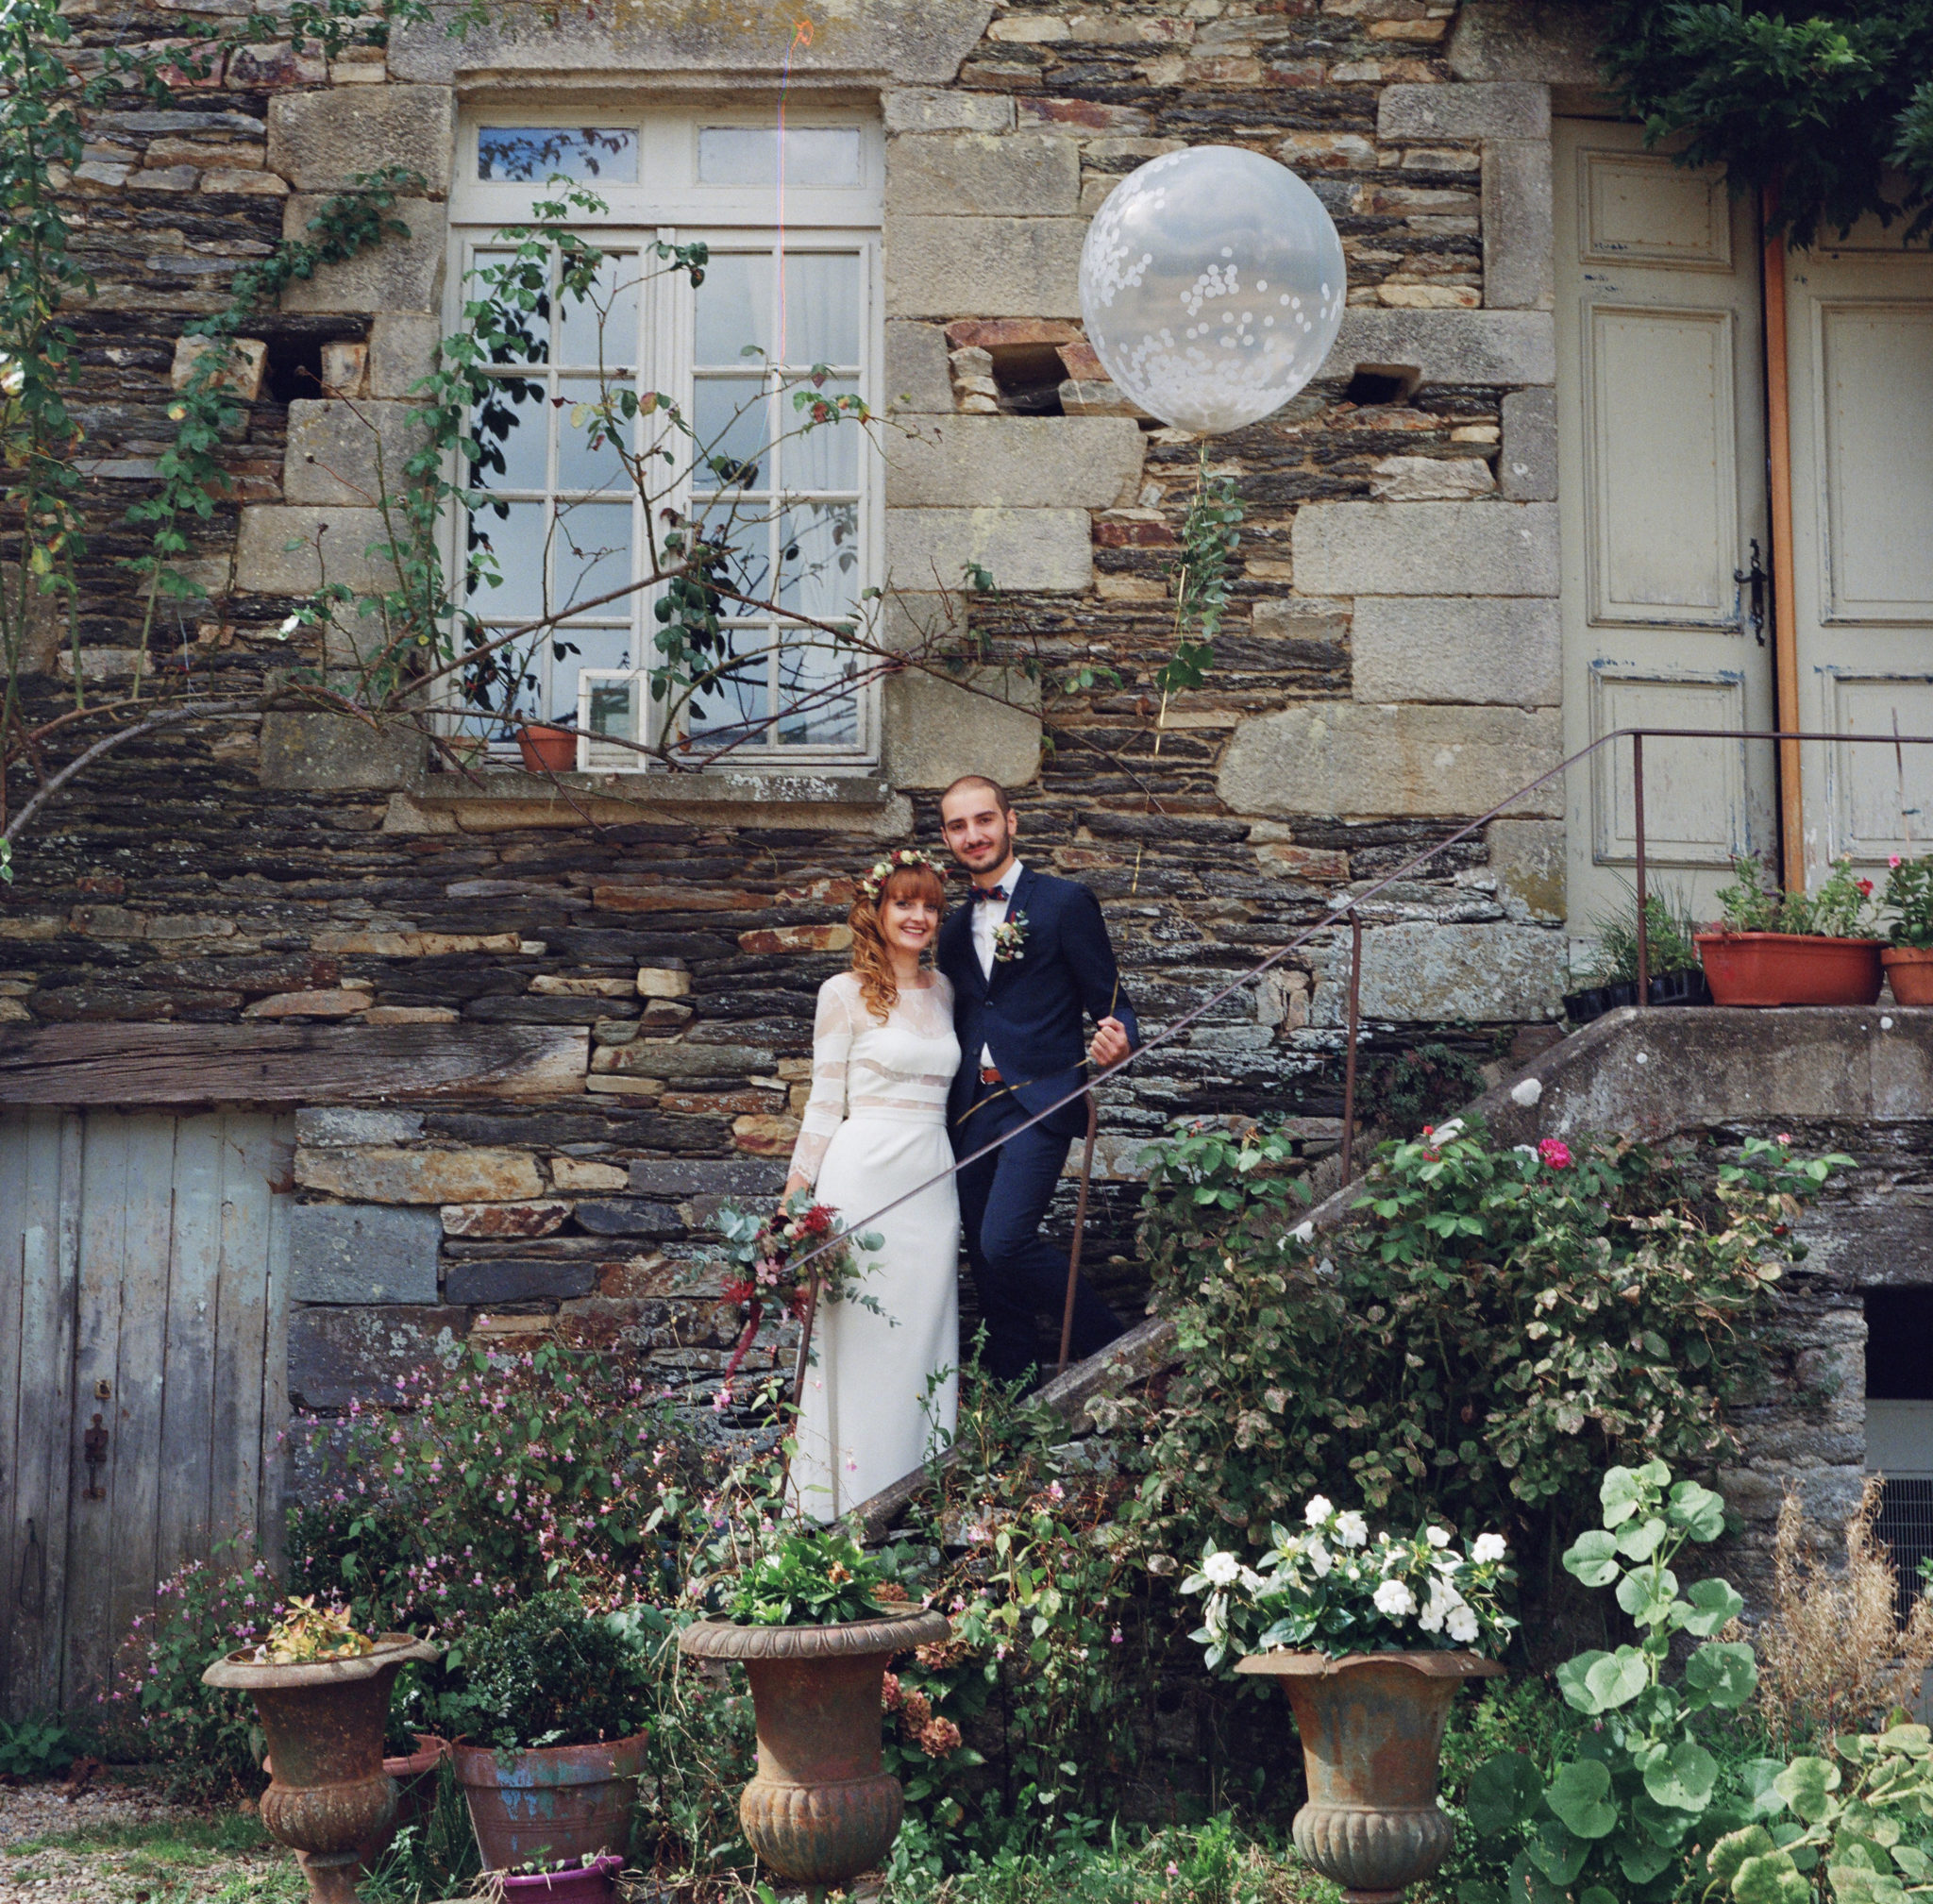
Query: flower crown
874, 882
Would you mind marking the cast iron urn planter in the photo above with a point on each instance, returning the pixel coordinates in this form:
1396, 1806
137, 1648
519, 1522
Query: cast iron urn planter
821, 1808
1372, 1727
328, 1796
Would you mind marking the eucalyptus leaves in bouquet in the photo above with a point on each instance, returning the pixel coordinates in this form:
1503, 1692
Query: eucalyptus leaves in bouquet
1332, 1589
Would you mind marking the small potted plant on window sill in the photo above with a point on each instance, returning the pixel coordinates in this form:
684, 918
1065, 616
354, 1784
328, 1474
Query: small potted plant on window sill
1775, 948
1909, 953
322, 1690
551, 1720
815, 1621
1372, 1640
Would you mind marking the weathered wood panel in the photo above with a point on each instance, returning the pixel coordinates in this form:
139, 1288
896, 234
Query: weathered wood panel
37, 1346
278, 1065
147, 1257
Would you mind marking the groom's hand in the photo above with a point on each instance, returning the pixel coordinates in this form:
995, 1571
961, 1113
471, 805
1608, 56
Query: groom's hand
1110, 1044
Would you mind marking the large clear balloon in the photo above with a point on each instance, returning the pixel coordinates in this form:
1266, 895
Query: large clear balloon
1211, 286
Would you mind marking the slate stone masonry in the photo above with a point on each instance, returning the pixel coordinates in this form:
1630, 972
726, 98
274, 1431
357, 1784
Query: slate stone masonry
1388, 666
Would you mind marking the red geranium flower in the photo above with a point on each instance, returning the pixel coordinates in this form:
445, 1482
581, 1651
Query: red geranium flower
1556, 1152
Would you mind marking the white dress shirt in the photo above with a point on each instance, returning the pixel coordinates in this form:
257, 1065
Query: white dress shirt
987, 915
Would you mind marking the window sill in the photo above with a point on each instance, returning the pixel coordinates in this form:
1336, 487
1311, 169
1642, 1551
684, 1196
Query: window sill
497, 800
706, 788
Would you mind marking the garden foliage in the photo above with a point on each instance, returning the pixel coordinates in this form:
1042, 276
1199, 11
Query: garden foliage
1502, 1325
1829, 105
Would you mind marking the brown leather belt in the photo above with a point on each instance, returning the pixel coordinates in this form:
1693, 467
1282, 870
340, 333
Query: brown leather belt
988, 1076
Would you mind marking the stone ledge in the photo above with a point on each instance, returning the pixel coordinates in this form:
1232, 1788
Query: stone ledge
660, 789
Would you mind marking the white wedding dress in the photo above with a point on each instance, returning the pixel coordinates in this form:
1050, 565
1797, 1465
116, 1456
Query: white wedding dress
875, 1128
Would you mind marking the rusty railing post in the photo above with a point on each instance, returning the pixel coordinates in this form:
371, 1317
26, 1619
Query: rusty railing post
1643, 910
1355, 995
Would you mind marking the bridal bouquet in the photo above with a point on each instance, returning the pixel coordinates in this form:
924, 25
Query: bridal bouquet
1329, 1588
771, 1252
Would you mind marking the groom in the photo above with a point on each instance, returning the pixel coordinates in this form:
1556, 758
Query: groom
1028, 956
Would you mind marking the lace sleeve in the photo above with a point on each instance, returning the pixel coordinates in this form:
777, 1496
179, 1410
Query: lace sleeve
825, 1110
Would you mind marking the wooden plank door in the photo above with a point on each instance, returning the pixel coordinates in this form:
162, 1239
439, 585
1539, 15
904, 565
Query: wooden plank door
155, 1257
1662, 493
1860, 374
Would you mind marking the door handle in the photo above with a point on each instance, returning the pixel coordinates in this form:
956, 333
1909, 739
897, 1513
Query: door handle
1754, 578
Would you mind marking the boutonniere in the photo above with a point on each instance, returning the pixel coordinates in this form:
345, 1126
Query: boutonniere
1010, 938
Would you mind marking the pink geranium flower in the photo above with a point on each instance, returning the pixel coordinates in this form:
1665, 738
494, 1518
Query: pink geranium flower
1555, 1152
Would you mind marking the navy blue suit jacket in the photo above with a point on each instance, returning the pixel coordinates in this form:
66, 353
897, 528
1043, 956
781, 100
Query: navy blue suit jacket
1032, 1013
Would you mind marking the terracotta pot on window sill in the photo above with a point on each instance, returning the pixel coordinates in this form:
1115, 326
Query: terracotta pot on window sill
1790, 968
1910, 971
547, 750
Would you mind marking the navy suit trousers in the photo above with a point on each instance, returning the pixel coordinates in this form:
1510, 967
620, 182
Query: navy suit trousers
1020, 1276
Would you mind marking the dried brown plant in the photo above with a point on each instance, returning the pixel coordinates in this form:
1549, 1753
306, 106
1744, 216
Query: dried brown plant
1832, 1653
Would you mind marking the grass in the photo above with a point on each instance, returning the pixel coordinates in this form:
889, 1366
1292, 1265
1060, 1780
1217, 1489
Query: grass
223, 1859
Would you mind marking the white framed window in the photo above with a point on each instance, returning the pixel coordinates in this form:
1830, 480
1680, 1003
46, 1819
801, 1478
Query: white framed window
791, 284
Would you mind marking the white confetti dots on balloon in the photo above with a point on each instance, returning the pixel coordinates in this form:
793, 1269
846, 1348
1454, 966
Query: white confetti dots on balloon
1203, 233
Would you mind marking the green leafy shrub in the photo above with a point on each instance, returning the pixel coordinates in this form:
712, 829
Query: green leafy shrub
1398, 1095
491, 1476
1621, 1818
550, 1671
1496, 1326
35, 1747
208, 1739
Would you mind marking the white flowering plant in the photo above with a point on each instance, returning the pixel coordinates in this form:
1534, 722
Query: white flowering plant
1333, 1588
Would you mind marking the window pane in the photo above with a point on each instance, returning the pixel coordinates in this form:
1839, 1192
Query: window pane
734, 438
818, 560
612, 710
734, 310
820, 455
520, 289
817, 707
821, 311
508, 424
513, 533
601, 328
573, 648
525, 153
587, 454
590, 556
748, 155
734, 700
745, 533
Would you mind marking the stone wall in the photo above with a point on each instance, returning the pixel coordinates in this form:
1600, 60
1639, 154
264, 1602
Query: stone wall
1390, 666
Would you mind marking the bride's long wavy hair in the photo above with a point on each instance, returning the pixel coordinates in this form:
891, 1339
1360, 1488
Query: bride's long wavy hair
870, 959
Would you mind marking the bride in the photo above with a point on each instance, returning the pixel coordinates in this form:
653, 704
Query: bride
884, 1056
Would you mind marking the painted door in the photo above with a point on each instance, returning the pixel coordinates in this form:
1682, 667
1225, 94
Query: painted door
143, 1302
1662, 495
1860, 357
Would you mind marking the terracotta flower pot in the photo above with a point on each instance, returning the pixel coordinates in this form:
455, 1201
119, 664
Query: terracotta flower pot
415, 1774
547, 750
1371, 1729
552, 1802
823, 1809
1790, 968
324, 1721
1909, 972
